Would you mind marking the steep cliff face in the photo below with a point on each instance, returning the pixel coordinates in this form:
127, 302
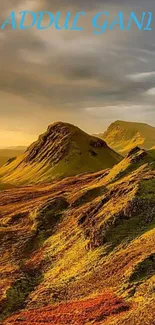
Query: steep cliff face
63, 150
84, 245
123, 136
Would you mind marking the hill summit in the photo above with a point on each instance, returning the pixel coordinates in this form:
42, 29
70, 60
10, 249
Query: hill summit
63, 150
122, 136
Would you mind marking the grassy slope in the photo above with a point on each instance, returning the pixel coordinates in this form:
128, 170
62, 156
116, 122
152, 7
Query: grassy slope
104, 241
80, 156
123, 136
82, 312
6, 154
152, 153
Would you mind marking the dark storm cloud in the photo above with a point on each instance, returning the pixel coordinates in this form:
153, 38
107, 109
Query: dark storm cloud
90, 4
72, 71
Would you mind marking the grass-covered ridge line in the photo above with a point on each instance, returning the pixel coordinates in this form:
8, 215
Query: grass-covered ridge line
63, 150
122, 136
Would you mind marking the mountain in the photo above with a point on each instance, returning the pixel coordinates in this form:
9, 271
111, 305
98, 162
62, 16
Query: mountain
80, 250
123, 136
63, 150
10, 153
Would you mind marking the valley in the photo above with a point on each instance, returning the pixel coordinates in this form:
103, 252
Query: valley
81, 250
77, 246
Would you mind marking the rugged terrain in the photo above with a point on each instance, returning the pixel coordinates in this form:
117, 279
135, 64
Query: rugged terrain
80, 250
123, 136
63, 150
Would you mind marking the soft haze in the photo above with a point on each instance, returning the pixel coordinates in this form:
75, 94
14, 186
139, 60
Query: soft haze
77, 77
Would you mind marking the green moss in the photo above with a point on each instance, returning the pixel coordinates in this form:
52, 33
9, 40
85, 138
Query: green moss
144, 269
45, 221
48, 216
89, 195
152, 153
127, 230
17, 294
131, 222
147, 189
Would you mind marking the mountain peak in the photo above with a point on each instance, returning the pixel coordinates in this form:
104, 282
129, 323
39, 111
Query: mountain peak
54, 144
122, 136
56, 137
59, 125
63, 150
129, 122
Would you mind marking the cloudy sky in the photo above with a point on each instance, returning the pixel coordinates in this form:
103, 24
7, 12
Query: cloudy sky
74, 76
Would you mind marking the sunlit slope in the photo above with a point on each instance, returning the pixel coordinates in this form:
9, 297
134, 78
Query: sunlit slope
123, 136
86, 311
87, 241
152, 153
9, 154
63, 150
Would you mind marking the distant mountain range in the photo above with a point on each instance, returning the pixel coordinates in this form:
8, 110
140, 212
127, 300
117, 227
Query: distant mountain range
123, 136
63, 150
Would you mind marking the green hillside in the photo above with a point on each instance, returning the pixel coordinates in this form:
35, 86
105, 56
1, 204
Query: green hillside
152, 153
123, 136
63, 150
